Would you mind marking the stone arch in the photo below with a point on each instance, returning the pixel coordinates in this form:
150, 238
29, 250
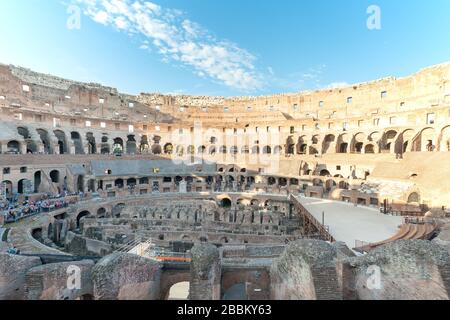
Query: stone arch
330, 184
267, 150
444, 139
13, 146
191, 149
80, 183
357, 145
342, 144
225, 202
62, 141
425, 140
317, 182
24, 186
117, 210
131, 144
144, 145
101, 212
290, 145
80, 215
201, 149
245, 150
403, 142
43, 134
414, 197
118, 183
54, 176
118, 145
302, 146
37, 180
168, 148
8, 188
328, 143
387, 142
369, 148
277, 150
76, 139
91, 143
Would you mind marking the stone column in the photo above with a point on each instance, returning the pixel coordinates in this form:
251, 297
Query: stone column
206, 273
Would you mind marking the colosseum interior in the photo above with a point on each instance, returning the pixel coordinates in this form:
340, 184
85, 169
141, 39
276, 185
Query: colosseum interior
299, 196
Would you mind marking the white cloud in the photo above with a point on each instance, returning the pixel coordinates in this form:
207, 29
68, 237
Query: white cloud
179, 39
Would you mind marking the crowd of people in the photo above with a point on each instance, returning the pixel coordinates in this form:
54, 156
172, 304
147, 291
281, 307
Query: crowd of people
13, 209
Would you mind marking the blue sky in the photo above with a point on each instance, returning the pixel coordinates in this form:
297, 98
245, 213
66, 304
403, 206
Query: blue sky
224, 47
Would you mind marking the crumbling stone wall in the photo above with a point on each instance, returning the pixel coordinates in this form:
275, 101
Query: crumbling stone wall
12, 275
205, 272
306, 271
401, 270
124, 276
60, 281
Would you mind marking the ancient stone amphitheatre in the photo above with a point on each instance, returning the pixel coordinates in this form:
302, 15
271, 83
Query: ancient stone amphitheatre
333, 194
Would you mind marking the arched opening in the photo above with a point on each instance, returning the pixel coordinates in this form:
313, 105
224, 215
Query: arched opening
144, 145
81, 215
212, 150
369, 148
131, 144
168, 148
131, 182
201, 150
13, 147
91, 185
45, 140
180, 151
225, 203
24, 186
245, 150
7, 188
223, 149
325, 173
54, 176
255, 150
234, 150
267, 150
118, 146
80, 183
101, 213
414, 198
37, 181
277, 150
271, 181
191, 149
92, 147
328, 142
119, 183
343, 147
62, 143
117, 210
179, 291
76, 138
